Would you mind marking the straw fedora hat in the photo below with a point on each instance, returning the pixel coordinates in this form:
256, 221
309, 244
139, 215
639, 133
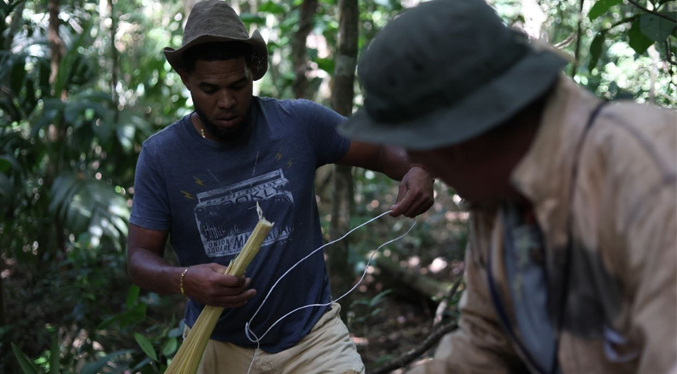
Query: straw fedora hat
216, 21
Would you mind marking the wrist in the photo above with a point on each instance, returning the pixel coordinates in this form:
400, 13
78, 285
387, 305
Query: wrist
182, 281
422, 167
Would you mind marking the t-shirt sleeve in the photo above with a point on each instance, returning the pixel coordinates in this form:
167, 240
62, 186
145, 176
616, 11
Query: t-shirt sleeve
150, 208
320, 123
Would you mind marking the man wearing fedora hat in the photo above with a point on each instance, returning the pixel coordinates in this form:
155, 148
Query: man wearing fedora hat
199, 180
571, 263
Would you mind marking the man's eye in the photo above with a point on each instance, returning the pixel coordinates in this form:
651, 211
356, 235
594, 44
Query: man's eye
209, 91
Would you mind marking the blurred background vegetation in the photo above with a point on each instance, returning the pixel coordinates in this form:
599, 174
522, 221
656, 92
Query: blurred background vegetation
83, 83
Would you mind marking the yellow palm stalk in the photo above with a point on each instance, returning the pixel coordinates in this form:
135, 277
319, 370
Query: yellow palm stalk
187, 359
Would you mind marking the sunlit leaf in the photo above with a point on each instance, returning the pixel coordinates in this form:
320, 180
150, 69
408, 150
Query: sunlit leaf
146, 346
271, 7
601, 7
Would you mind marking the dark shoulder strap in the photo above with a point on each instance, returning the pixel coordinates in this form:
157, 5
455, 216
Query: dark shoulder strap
567, 264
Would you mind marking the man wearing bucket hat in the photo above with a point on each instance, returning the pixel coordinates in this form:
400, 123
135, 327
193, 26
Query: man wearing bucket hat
571, 263
200, 180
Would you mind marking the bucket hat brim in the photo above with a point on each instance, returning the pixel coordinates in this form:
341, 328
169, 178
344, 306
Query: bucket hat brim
479, 112
258, 45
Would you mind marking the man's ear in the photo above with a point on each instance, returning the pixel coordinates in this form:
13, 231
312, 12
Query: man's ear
184, 74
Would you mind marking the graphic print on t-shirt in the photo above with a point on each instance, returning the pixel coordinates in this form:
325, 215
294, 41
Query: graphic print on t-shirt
226, 216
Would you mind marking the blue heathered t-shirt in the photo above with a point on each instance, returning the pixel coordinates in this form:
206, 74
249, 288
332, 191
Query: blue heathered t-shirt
205, 194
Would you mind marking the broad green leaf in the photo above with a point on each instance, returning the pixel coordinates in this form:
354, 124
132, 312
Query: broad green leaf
600, 7
26, 365
146, 346
656, 28
170, 347
638, 41
132, 296
596, 48
326, 64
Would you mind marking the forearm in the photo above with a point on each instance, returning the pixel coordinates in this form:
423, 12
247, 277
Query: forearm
394, 162
151, 272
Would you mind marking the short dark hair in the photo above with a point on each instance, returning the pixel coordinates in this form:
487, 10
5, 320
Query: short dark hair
216, 51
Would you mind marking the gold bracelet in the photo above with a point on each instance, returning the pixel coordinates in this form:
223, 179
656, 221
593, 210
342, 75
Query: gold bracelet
183, 275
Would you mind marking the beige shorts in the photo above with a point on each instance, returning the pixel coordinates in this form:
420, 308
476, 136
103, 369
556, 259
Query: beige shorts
327, 349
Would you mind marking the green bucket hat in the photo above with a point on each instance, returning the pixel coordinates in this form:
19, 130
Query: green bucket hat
216, 21
444, 72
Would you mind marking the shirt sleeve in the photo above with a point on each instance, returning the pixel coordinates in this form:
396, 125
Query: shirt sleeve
652, 254
150, 208
320, 124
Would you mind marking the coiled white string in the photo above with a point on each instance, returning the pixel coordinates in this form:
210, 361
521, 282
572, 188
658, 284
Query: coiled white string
247, 330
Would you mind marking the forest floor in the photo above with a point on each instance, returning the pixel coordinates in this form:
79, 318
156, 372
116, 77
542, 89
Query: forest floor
400, 327
385, 325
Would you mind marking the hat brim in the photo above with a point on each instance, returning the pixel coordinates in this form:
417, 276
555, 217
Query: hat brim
259, 50
481, 111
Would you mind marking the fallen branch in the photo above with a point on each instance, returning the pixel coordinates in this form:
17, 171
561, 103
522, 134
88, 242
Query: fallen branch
416, 352
427, 286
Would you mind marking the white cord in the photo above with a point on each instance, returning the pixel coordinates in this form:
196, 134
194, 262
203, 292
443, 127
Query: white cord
257, 340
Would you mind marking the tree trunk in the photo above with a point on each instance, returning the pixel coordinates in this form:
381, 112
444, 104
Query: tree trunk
579, 35
56, 45
342, 100
57, 131
115, 56
298, 46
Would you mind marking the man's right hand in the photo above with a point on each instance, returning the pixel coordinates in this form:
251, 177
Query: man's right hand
207, 284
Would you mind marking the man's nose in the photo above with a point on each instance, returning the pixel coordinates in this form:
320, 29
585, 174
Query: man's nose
227, 100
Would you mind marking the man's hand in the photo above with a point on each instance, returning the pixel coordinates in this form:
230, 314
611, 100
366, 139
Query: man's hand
207, 284
415, 195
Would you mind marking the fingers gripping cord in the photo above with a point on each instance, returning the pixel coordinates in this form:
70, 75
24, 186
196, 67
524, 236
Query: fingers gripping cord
255, 339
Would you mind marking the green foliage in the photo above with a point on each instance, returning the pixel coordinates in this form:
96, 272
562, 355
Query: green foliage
363, 310
146, 346
68, 148
656, 28
27, 366
637, 39
601, 7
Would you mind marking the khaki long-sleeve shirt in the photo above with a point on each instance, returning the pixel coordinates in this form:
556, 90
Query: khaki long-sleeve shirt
620, 310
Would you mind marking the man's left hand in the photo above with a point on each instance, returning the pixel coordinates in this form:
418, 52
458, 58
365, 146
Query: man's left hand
415, 195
